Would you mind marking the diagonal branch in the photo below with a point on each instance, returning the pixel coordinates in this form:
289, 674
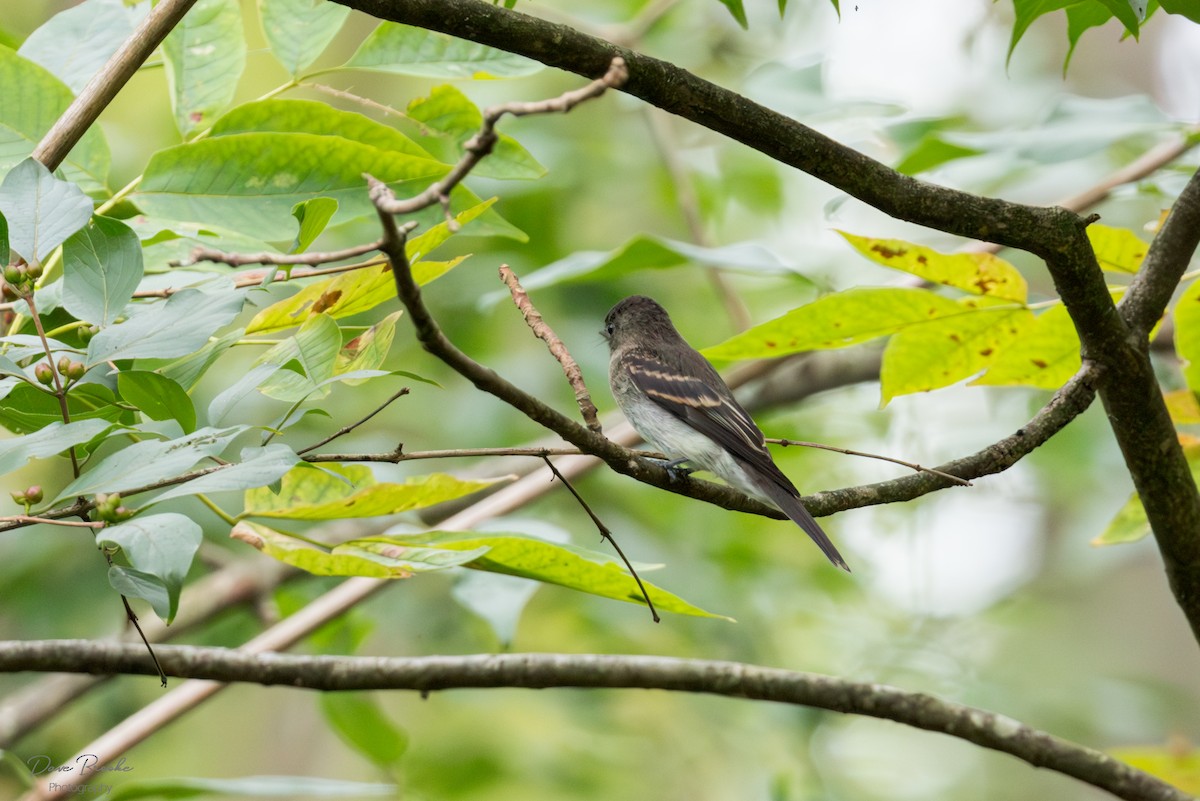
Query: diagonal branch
539, 671
110, 80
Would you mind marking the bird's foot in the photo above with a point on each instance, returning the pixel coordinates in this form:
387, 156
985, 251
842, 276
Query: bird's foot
675, 468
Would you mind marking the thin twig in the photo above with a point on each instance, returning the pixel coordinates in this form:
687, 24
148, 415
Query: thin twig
59, 390
347, 429
398, 455
788, 442
604, 534
481, 144
201, 253
33, 519
558, 350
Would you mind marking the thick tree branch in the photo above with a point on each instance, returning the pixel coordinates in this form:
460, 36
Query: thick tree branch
540, 671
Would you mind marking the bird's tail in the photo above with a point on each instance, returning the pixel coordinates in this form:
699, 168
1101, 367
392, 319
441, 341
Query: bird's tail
791, 506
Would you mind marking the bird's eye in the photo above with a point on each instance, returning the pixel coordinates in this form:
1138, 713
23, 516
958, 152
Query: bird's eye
609, 329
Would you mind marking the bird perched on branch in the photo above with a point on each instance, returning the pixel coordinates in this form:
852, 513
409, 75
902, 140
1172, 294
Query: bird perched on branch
682, 407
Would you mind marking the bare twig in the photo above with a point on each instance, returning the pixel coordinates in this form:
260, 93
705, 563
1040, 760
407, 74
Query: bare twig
33, 519
201, 253
541, 670
544, 332
347, 429
801, 443
604, 534
481, 144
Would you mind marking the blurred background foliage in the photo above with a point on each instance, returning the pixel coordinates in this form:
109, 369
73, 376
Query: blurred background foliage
991, 596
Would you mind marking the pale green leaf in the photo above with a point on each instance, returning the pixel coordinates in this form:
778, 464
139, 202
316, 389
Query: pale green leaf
947, 350
1187, 333
297, 31
26, 116
160, 545
1045, 356
405, 50
565, 565
148, 461
357, 291
205, 55
102, 266
1117, 249
41, 210
977, 273
312, 217
256, 467
836, 321
56, 437
343, 491
75, 43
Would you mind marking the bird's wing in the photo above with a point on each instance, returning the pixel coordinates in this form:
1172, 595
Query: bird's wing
719, 417
716, 415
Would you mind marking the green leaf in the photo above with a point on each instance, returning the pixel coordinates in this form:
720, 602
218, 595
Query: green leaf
148, 461
159, 398
158, 545
565, 565
314, 348
358, 291
26, 409
933, 151
977, 273
947, 350
1045, 356
1177, 764
205, 55
41, 210
737, 10
4, 249
258, 467
312, 216
1128, 525
1186, 8
1130, 12
349, 559
55, 438
134, 583
362, 724
187, 370
837, 321
1117, 249
334, 492
320, 119
645, 252
26, 116
102, 266
1081, 17
298, 31
1187, 333
233, 394
449, 111
405, 50
368, 350
174, 327
250, 182
75, 43
1026, 12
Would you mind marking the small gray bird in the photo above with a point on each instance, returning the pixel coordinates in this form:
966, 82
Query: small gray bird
682, 407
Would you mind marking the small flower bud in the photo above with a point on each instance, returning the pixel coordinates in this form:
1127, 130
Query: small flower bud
64, 364
44, 373
76, 371
14, 274
33, 494
18, 497
34, 271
